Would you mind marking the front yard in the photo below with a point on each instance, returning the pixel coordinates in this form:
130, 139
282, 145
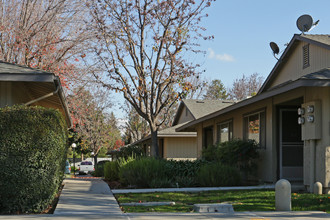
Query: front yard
249, 200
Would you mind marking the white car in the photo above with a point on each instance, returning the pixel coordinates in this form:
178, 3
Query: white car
86, 167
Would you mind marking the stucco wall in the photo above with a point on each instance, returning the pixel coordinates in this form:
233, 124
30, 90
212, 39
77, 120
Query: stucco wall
185, 116
180, 148
322, 153
5, 94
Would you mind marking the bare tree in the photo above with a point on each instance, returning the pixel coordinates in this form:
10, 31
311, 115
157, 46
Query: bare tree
245, 87
140, 46
136, 127
44, 34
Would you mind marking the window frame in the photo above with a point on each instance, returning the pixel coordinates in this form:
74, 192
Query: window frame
230, 128
262, 126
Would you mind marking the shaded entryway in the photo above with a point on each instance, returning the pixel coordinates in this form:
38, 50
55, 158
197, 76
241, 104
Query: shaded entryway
290, 144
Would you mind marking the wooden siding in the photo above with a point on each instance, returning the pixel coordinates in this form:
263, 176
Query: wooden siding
180, 148
319, 58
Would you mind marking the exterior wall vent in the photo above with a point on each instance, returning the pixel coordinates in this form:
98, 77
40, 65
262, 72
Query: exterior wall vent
306, 56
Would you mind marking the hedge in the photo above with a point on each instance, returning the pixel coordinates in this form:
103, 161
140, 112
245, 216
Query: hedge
217, 174
33, 147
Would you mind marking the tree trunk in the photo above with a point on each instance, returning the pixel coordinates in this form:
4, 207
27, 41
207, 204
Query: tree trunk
95, 160
154, 144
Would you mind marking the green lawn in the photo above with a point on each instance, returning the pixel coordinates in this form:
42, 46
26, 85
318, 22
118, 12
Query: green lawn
251, 200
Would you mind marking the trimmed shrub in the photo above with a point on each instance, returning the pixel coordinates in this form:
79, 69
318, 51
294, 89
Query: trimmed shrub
183, 173
111, 171
99, 168
145, 172
241, 154
217, 174
33, 148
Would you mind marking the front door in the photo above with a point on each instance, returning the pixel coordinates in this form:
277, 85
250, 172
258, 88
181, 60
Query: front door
291, 146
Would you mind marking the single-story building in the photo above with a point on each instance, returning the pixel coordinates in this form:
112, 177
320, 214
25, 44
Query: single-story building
28, 86
294, 145
183, 145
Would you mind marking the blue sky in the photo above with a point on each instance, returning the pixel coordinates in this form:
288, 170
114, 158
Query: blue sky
243, 30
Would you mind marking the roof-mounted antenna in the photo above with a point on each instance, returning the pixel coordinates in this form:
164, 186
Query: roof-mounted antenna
305, 23
275, 49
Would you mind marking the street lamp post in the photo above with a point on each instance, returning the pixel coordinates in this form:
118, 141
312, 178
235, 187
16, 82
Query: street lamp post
74, 159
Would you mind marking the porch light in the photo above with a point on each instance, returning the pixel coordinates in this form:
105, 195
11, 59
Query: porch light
301, 120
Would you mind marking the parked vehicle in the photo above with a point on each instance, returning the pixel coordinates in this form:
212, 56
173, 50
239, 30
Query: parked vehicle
67, 167
86, 167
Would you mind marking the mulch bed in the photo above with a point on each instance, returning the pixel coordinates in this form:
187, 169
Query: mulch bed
51, 208
114, 184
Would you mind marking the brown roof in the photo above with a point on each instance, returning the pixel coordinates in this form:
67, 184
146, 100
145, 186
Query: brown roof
317, 79
200, 108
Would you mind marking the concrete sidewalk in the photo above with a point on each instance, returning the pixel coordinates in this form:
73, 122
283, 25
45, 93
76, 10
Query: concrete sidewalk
87, 196
93, 199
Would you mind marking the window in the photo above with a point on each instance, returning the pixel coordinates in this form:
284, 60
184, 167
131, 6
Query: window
208, 136
255, 128
306, 56
225, 131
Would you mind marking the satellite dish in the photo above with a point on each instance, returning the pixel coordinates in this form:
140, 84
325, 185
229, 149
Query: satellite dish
275, 48
304, 23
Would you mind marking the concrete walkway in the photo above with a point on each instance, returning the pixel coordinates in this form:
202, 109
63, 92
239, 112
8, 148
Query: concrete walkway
87, 196
92, 199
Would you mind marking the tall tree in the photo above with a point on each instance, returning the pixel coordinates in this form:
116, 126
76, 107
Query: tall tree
246, 86
136, 127
94, 127
142, 44
216, 91
44, 34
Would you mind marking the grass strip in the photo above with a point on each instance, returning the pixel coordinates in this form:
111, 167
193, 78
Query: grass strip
247, 200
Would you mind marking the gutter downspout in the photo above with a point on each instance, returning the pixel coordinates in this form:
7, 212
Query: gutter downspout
43, 97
